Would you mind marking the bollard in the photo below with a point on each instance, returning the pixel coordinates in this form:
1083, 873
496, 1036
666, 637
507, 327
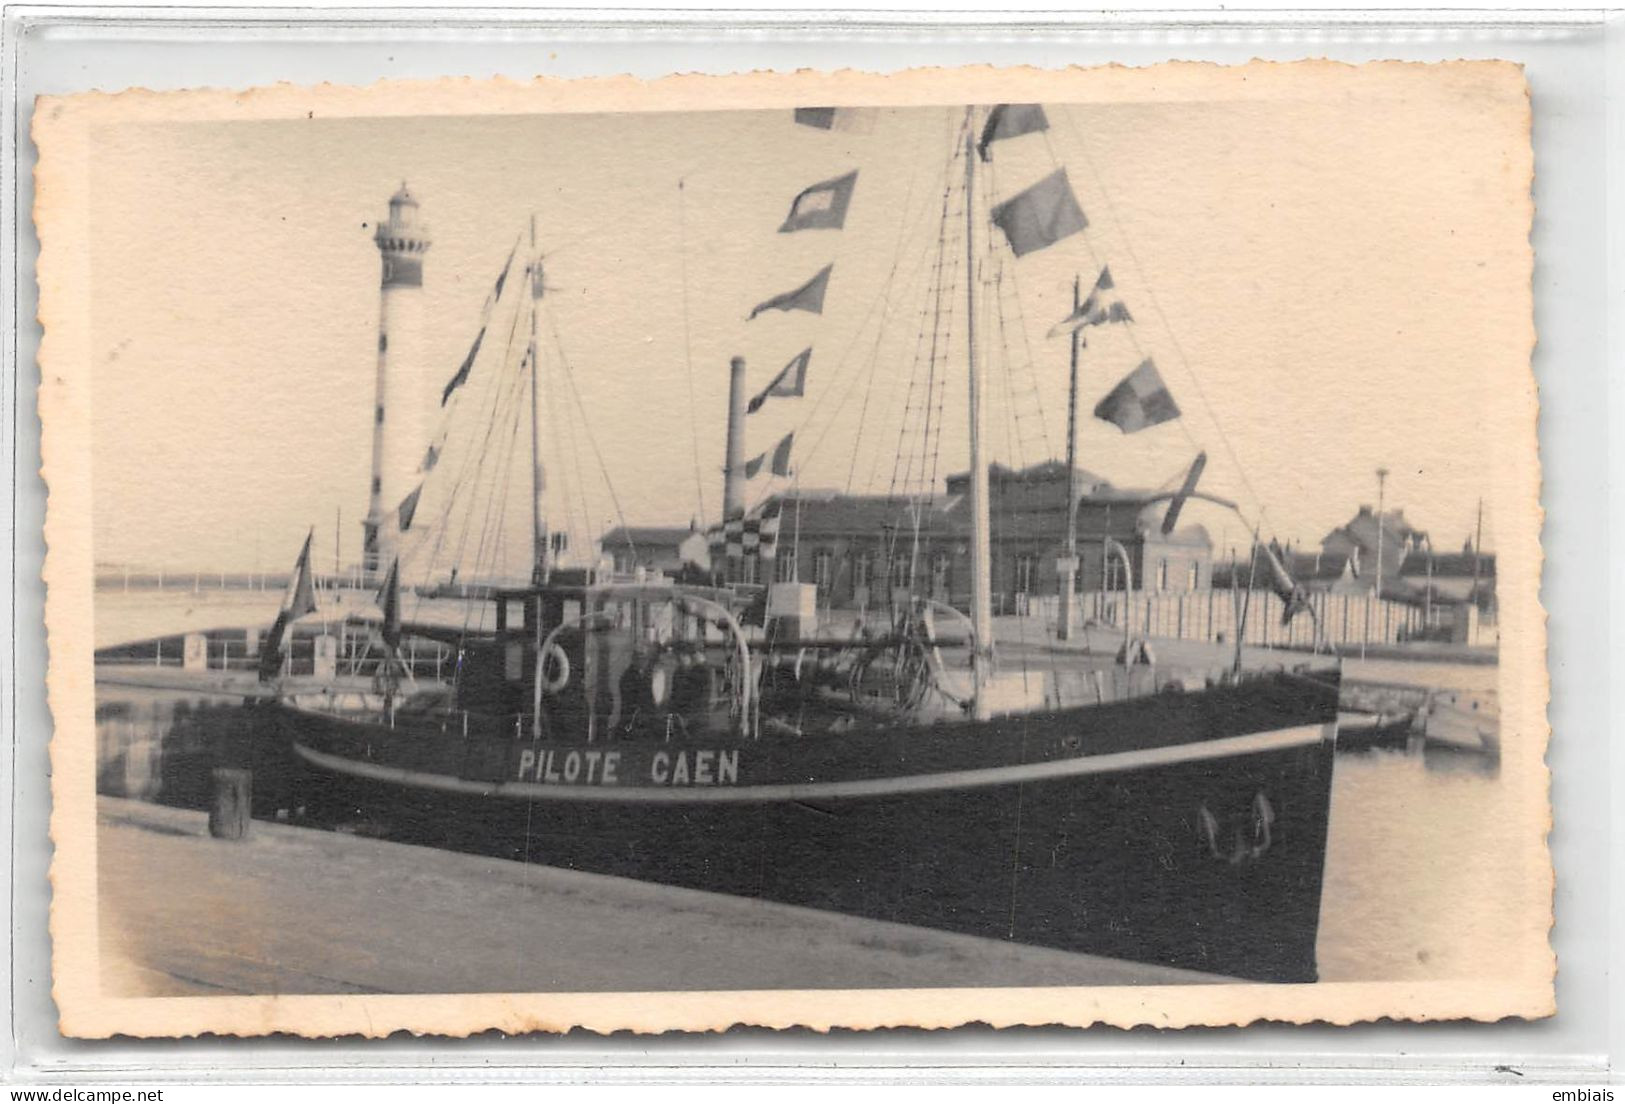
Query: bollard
233, 802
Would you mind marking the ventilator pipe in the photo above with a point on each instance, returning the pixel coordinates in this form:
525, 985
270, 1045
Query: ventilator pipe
733, 469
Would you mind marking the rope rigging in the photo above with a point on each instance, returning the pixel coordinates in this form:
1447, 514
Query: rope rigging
917, 395
1167, 327
688, 347
849, 371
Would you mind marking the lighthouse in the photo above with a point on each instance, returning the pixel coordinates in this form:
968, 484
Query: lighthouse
403, 393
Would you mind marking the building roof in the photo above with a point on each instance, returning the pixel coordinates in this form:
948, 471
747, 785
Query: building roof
1324, 568
1043, 472
653, 536
1304, 567
1362, 529
832, 515
825, 515
1448, 565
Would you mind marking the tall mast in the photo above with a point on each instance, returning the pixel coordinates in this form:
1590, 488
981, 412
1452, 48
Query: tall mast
981, 542
538, 531
1069, 565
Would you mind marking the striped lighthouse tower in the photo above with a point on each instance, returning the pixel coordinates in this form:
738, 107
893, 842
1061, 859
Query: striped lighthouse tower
403, 402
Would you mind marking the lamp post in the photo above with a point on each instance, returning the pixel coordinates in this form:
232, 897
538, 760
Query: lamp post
1427, 615
1382, 483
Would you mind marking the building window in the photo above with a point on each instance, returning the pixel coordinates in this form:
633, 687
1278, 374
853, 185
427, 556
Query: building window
1194, 577
823, 566
558, 542
1162, 574
1024, 573
861, 567
784, 566
747, 569
901, 572
941, 575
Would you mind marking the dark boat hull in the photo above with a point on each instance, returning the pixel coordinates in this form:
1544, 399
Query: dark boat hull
1184, 829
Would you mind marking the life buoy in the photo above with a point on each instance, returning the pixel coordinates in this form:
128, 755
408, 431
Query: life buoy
660, 680
555, 669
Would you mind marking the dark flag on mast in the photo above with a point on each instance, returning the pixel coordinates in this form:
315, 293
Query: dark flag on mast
408, 508
822, 206
1011, 121
808, 297
1139, 402
1098, 309
467, 366
506, 268
790, 383
389, 598
780, 463
1040, 216
298, 600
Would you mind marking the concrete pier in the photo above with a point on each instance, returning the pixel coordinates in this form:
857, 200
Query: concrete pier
235, 684
295, 910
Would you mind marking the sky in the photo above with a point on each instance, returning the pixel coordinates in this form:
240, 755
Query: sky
1324, 284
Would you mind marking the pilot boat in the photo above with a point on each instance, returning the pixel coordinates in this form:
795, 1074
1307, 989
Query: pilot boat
698, 731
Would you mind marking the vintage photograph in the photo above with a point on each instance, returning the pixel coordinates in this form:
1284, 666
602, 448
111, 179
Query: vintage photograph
1017, 547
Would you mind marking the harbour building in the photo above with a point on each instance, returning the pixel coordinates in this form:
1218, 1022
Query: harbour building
853, 548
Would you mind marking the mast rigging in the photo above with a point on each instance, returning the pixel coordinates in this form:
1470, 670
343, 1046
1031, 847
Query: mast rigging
538, 532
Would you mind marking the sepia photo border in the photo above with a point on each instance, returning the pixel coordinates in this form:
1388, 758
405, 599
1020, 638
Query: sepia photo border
63, 132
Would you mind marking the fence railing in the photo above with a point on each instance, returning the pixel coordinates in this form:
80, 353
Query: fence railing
353, 649
1220, 615
201, 582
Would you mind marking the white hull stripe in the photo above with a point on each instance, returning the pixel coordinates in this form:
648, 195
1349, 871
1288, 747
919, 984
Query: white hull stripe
1253, 743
